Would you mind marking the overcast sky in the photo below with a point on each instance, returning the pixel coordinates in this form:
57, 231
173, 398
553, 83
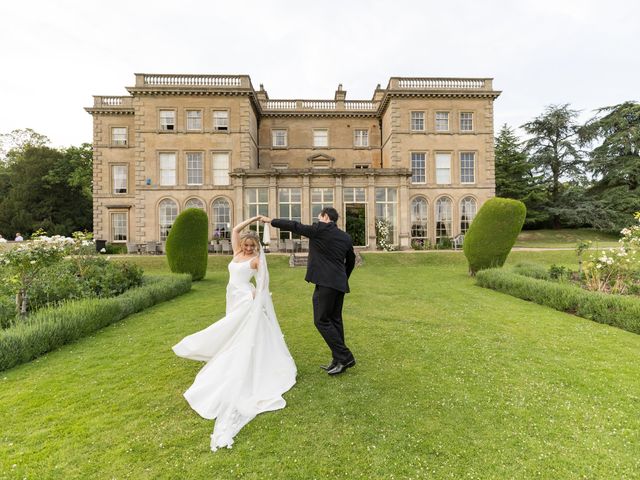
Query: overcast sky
57, 54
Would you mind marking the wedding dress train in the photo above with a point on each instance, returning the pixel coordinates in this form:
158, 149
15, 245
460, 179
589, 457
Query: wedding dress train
248, 364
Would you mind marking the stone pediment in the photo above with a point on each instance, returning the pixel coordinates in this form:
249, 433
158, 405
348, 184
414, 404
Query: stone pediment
321, 160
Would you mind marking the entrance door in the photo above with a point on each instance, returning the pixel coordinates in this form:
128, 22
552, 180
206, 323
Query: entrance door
356, 222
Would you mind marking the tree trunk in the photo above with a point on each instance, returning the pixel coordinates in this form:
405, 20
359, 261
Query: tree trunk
21, 302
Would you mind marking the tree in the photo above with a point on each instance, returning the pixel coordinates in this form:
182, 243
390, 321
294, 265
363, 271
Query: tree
18, 140
39, 192
615, 163
515, 178
555, 155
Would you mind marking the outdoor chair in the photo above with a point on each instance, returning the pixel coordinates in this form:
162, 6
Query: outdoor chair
288, 245
151, 248
457, 241
226, 246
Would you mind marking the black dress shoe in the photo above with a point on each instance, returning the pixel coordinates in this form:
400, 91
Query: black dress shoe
330, 366
341, 367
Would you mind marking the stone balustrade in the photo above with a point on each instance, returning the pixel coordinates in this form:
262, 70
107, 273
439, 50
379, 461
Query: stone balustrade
219, 81
396, 83
319, 105
111, 102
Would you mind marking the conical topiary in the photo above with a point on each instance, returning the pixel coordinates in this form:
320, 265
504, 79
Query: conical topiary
493, 232
187, 244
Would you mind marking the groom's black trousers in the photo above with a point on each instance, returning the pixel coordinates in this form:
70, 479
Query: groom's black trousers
327, 316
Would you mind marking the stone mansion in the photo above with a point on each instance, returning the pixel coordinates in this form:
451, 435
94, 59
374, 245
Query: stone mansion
419, 155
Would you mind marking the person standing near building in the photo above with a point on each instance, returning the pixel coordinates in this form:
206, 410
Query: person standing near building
330, 263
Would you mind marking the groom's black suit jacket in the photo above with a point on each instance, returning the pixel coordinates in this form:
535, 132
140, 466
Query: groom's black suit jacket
331, 257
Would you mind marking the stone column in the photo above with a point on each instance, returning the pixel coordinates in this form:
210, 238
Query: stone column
404, 227
306, 199
371, 211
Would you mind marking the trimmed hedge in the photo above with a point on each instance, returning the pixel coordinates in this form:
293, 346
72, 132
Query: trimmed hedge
493, 232
616, 310
187, 243
51, 328
534, 270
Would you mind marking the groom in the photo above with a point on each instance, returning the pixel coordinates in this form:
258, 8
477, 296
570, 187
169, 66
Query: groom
331, 260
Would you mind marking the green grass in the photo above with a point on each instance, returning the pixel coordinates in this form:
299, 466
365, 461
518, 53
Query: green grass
453, 381
565, 238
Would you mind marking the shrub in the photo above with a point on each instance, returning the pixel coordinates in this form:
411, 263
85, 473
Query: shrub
533, 270
616, 310
7, 311
493, 232
187, 244
82, 277
52, 327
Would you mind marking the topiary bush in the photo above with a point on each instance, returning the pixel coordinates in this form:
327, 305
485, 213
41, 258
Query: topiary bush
493, 232
187, 244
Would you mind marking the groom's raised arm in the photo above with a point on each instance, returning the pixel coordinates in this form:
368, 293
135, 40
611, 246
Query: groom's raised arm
292, 226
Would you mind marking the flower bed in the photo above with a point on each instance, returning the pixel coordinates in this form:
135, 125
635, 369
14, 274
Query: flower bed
53, 327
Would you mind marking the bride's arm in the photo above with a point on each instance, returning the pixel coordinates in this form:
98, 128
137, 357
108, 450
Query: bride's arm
235, 233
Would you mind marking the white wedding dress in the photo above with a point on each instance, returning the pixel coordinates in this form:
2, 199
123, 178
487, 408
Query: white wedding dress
248, 364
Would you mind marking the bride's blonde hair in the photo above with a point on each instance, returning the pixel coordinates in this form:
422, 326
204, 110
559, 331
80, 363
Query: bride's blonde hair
250, 235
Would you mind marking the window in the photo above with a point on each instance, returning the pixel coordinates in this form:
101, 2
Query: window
194, 119
443, 168
279, 138
119, 136
418, 167
417, 121
167, 120
221, 218
321, 137
320, 198
361, 138
289, 207
221, 120
467, 167
168, 211
468, 207
442, 121
194, 203
195, 168
466, 121
386, 206
257, 203
119, 228
221, 169
419, 224
361, 166
167, 169
443, 219
354, 195
119, 178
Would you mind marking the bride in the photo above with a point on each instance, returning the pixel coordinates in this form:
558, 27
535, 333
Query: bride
248, 364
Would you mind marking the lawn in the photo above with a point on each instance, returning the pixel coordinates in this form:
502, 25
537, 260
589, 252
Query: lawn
565, 238
453, 381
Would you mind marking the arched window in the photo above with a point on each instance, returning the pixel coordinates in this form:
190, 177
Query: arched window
468, 208
443, 219
194, 203
168, 211
221, 218
419, 224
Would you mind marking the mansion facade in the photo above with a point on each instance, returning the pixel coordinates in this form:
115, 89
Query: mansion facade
419, 155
